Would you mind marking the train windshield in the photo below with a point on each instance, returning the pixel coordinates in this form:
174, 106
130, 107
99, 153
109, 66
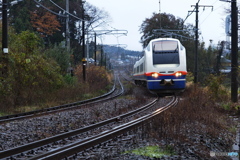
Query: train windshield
165, 52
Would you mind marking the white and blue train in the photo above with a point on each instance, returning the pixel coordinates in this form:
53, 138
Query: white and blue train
162, 69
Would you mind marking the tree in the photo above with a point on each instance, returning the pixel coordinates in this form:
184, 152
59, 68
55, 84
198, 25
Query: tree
158, 21
31, 75
60, 55
22, 14
45, 23
19, 15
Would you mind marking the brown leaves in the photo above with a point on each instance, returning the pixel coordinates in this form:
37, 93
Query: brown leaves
45, 23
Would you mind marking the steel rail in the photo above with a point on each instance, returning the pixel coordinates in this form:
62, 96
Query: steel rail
37, 144
60, 107
72, 149
43, 142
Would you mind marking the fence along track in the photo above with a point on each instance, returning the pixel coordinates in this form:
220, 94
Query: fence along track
104, 136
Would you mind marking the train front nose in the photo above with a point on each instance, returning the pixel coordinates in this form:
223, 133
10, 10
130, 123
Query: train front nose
166, 82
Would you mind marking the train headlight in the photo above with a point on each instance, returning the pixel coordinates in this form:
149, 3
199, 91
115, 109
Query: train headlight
155, 75
178, 74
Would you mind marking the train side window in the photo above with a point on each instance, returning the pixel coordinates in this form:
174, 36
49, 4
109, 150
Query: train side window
141, 67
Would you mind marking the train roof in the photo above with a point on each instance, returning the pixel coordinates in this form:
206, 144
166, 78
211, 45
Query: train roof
158, 39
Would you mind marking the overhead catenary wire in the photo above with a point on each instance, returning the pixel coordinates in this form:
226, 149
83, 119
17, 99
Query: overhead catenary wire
211, 12
65, 16
61, 15
191, 12
66, 11
78, 17
58, 14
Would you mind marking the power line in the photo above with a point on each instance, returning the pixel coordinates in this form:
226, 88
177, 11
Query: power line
170, 33
57, 6
61, 15
205, 19
66, 11
49, 9
189, 14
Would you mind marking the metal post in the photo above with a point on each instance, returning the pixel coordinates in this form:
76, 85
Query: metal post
101, 64
4, 27
196, 47
67, 26
83, 43
95, 48
234, 45
4, 57
105, 60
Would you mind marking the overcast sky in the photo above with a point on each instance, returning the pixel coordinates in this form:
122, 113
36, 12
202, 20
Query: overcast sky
129, 15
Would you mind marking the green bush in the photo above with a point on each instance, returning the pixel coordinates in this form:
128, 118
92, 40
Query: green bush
189, 77
30, 75
34, 78
60, 55
70, 80
215, 87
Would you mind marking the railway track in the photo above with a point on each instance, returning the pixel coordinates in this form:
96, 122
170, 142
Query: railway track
70, 143
116, 91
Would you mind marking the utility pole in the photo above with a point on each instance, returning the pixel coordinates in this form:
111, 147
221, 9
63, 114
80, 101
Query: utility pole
101, 64
67, 26
4, 27
84, 61
234, 50
159, 12
196, 39
95, 48
4, 57
234, 46
196, 47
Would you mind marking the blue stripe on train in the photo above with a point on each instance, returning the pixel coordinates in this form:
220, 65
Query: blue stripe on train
155, 85
165, 77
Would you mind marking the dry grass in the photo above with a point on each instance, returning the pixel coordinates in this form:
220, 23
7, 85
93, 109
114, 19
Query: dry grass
98, 82
195, 119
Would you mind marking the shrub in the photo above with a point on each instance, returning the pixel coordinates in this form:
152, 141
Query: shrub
96, 76
196, 117
30, 75
190, 77
70, 80
60, 55
216, 89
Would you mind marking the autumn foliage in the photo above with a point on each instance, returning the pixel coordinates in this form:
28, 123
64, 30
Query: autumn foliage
45, 23
31, 75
